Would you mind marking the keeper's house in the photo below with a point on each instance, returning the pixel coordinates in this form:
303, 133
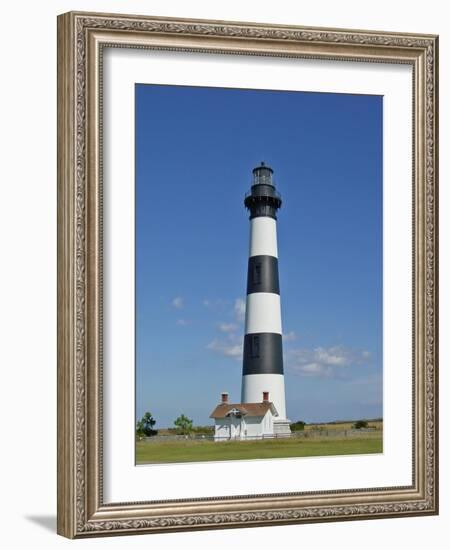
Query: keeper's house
244, 420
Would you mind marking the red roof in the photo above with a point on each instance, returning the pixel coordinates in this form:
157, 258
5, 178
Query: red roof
246, 409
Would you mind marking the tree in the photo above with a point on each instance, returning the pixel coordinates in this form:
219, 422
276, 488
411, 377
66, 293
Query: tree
298, 426
183, 425
360, 424
144, 427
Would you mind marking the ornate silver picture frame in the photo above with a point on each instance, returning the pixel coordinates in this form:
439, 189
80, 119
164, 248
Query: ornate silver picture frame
82, 40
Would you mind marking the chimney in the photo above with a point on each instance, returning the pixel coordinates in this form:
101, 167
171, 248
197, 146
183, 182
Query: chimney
265, 396
224, 397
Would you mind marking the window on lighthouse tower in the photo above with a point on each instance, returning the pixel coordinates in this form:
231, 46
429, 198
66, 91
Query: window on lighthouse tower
255, 347
257, 274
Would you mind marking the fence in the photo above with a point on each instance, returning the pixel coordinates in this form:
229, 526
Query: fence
304, 434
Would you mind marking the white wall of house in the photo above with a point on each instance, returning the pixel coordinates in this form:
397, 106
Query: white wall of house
222, 429
233, 427
228, 428
254, 426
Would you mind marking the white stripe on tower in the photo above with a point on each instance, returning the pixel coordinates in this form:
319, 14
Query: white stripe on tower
263, 313
263, 354
253, 386
263, 237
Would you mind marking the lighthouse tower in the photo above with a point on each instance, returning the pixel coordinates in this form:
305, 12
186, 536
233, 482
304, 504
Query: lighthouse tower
263, 351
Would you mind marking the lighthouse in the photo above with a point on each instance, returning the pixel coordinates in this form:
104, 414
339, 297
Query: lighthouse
262, 410
262, 372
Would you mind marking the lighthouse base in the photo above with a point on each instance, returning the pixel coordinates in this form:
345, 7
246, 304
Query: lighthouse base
281, 428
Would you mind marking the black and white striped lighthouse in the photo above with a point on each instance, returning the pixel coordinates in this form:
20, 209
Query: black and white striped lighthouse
263, 350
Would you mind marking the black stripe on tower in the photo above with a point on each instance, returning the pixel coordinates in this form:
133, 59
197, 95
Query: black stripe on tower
262, 275
263, 353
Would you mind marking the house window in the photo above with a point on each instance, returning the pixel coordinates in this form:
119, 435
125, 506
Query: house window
255, 347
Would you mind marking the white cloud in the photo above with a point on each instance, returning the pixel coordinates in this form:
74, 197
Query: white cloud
289, 336
228, 327
325, 362
228, 349
183, 322
239, 309
178, 302
316, 369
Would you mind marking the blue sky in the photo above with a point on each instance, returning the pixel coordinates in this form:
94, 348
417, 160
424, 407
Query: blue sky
195, 150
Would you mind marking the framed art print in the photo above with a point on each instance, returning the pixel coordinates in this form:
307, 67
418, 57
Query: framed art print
247, 275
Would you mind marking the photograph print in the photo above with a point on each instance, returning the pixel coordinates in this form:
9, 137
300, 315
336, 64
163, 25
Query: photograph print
258, 260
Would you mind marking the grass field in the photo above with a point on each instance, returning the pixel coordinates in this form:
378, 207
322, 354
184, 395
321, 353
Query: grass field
377, 424
198, 451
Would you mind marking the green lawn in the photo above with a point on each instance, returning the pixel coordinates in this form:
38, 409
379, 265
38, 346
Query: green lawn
198, 451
